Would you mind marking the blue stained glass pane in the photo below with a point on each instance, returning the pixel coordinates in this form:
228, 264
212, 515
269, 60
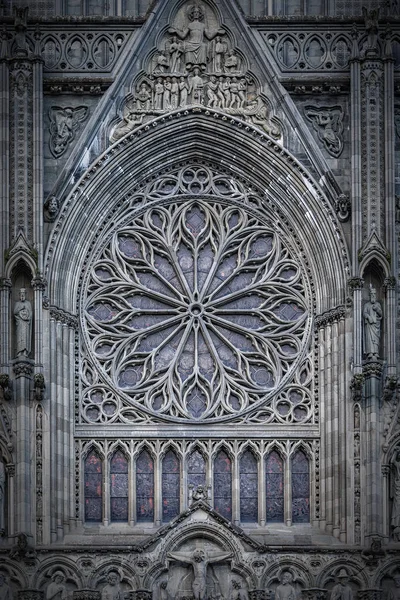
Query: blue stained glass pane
170, 486
144, 488
300, 488
93, 488
119, 487
248, 488
274, 488
223, 485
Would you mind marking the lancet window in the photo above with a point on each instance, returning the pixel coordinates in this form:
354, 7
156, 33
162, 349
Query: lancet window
119, 487
93, 487
223, 484
170, 486
144, 487
196, 469
248, 488
274, 480
300, 488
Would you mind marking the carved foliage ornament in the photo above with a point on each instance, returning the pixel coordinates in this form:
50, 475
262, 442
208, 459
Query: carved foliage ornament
196, 64
328, 123
196, 310
64, 123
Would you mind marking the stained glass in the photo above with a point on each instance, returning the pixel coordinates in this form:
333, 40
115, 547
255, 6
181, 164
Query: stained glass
223, 485
119, 487
300, 488
93, 488
196, 469
248, 488
274, 488
170, 486
144, 488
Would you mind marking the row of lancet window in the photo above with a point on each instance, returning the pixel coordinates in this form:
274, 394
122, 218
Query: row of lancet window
275, 488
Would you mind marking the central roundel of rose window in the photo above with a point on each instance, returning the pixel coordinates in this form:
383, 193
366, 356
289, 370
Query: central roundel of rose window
196, 310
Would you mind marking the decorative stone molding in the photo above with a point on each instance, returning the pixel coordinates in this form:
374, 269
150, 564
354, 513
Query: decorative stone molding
330, 316
86, 595
327, 121
260, 595
39, 283
356, 386
64, 317
140, 595
371, 594
6, 386
389, 388
315, 593
5, 283
64, 123
343, 207
355, 283
23, 368
389, 283
30, 594
373, 368
39, 386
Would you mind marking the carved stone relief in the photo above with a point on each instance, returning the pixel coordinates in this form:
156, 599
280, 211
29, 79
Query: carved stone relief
64, 123
196, 64
372, 314
328, 123
23, 325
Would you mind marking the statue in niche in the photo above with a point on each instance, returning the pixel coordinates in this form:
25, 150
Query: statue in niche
195, 36
371, 19
395, 495
219, 53
20, 25
56, 589
372, 314
199, 560
112, 589
23, 321
394, 592
175, 52
342, 590
167, 93
285, 590
5, 590
2, 496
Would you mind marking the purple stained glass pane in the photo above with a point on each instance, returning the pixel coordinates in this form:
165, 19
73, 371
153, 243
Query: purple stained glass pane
93, 509
93, 463
119, 487
119, 509
196, 469
300, 488
248, 488
93, 488
170, 486
223, 485
93, 485
274, 488
144, 488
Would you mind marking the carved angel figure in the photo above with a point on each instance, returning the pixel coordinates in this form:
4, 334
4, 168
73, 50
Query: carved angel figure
327, 122
285, 590
64, 123
258, 113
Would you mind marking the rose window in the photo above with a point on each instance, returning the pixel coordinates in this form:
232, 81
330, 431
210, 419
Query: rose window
196, 310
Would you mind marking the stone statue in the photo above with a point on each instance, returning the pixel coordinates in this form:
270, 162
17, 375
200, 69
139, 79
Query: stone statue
162, 63
143, 97
239, 592
163, 592
5, 590
199, 560
342, 590
20, 24
371, 18
395, 494
372, 325
231, 62
112, 590
285, 590
52, 207
2, 496
23, 321
394, 592
175, 51
219, 52
195, 36
196, 87
56, 589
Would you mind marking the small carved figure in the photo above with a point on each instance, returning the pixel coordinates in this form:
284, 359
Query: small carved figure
220, 93
231, 62
212, 88
394, 592
199, 561
227, 94
371, 19
220, 49
234, 90
242, 87
51, 205
174, 93
143, 98
183, 92
372, 314
23, 321
161, 63
2, 496
342, 590
285, 590
112, 590
164, 595
64, 123
395, 494
196, 87
130, 122
258, 113
20, 25
159, 93
328, 123
5, 590
239, 592
56, 589
167, 94
175, 50
199, 494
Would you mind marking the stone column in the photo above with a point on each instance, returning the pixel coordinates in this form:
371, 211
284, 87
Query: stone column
373, 475
4, 145
23, 371
355, 129
385, 513
5, 294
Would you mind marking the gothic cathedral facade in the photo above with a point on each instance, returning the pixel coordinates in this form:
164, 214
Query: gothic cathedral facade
200, 209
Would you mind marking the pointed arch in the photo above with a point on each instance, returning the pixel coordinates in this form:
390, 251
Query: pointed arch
170, 485
93, 475
248, 482
144, 486
223, 483
300, 484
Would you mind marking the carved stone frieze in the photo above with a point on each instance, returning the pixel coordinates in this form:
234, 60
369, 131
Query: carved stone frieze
64, 123
355, 283
23, 368
328, 123
196, 65
330, 316
58, 314
31, 595
86, 595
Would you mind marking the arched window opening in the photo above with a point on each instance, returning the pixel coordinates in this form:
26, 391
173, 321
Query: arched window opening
274, 488
93, 472
144, 488
119, 487
196, 470
248, 488
300, 488
170, 486
223, 485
